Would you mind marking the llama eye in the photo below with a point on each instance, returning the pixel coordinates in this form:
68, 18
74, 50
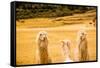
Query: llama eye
40, 34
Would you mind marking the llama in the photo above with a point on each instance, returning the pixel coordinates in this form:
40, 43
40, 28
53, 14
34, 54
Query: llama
42, 42
66, 50
83, 46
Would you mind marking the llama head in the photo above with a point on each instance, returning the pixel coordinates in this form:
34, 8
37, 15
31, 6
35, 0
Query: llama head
42, 36
66, 44
82, 35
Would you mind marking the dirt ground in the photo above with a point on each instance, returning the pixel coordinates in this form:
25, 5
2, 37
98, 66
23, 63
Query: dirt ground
26, 47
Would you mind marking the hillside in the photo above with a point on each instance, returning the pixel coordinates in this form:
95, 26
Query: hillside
25, 11
83, 18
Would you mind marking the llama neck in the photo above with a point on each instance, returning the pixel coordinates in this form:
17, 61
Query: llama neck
67, 55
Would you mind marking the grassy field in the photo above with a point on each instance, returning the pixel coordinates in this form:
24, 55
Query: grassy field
58, 29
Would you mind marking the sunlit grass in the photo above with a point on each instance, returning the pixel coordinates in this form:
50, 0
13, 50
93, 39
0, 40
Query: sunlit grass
65, 28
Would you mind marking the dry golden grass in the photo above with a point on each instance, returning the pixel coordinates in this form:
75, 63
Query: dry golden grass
26, 46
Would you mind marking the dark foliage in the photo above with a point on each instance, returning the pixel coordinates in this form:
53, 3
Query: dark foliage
24, 11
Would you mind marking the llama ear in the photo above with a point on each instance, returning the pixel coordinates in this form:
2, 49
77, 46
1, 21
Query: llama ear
37, 37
